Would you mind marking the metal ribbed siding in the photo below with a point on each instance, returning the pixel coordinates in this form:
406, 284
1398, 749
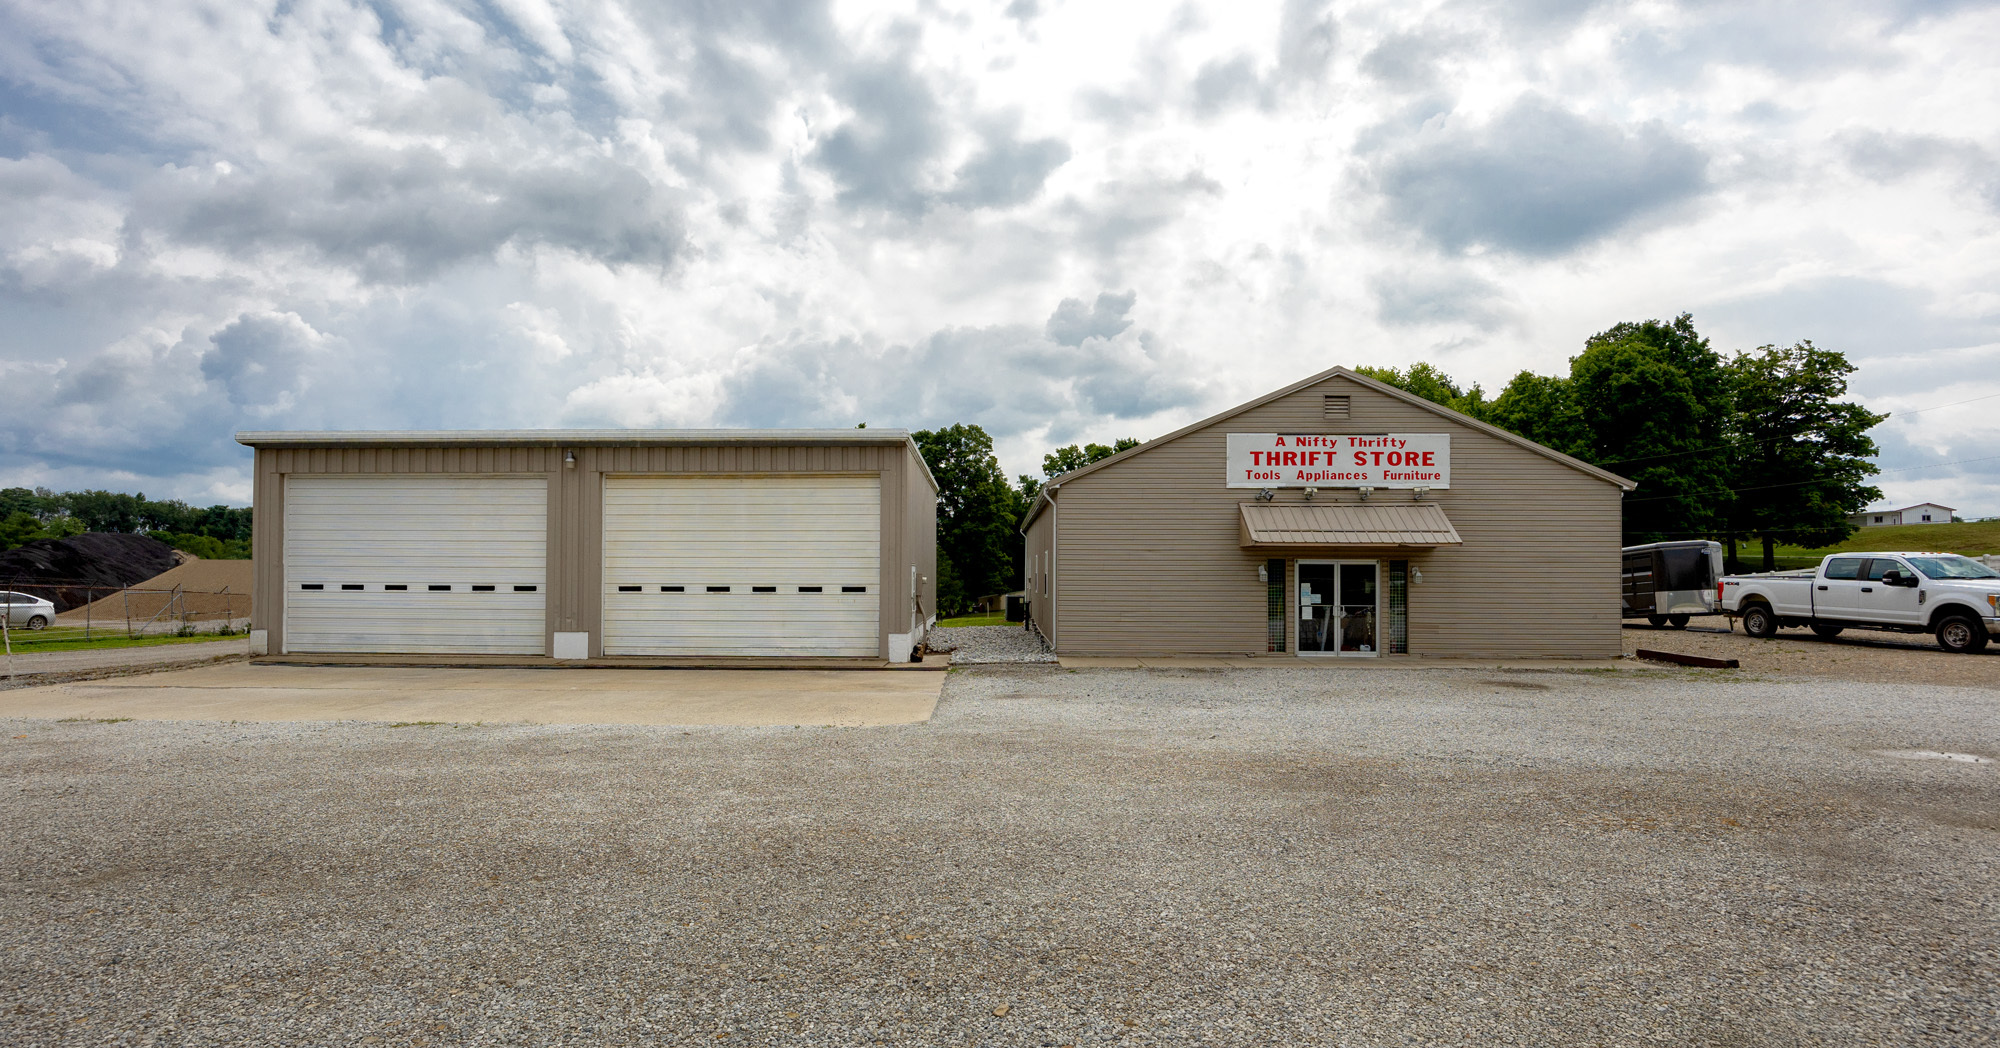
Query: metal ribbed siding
1148, 558
355, 540
575, 518
1354, 526
742, 533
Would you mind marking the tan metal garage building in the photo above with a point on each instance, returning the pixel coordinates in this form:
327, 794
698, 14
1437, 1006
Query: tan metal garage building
594, 544
1338, 516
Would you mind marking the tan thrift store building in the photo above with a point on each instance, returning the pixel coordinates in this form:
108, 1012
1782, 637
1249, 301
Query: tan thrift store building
588, 544
1335, 517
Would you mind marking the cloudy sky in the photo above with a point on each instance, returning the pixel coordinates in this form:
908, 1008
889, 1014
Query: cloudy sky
1061, 220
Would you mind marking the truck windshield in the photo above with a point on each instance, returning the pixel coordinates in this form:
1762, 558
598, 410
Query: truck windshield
1952, 566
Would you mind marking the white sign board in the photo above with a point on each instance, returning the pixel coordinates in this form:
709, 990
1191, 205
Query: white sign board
1346, 460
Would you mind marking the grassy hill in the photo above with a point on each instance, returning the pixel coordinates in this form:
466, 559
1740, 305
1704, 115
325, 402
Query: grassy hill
1973, 539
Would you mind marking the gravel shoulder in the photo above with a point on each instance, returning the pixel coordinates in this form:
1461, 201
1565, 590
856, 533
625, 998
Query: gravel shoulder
55, 667
1856, 655
1109, 857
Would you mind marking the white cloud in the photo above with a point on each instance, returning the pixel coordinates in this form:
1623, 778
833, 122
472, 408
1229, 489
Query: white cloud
1063, 221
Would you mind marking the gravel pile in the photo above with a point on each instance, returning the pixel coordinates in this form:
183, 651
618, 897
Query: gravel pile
1059, 858
974, 645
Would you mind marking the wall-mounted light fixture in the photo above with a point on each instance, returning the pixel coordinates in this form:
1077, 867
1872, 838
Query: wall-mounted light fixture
1310, 492
1416, 575
569, 460
1365, 492
1264, 574
1266, 495
1417, 494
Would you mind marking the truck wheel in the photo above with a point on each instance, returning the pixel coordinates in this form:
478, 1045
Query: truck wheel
1657, 620
1758, 621
1961, 634
1827, 630
1680, 622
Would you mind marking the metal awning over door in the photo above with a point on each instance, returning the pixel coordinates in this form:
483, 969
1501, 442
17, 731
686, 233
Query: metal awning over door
759, 565
416, 564
1410, 525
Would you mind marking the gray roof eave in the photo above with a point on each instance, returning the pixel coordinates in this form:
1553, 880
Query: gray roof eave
563, 437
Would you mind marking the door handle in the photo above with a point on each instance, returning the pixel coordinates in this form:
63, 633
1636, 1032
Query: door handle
1822, 589
1867, 589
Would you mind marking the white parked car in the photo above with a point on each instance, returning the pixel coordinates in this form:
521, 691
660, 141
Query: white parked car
1954, 598
27, 611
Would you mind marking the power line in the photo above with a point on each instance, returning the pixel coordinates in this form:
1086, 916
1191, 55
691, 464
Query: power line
1742, 443
1935, 407
1800, 483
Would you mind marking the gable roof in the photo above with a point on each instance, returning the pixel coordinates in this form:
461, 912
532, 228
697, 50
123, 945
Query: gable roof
1046, 495
1902, 509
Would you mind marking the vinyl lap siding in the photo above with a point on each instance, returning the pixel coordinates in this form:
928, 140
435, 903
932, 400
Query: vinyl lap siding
1149, 560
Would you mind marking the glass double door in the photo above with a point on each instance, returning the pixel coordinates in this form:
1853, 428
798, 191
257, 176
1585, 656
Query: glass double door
1339, 607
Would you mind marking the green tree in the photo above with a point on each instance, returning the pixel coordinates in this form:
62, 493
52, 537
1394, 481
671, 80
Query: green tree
1799, 452
1432, 384
1063, 460
105, 510
978, 512
35, 504
1677, 344
1542, 409
19, 528
1643, 416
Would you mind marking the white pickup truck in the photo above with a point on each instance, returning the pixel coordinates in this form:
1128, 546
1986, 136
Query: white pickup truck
1955, 598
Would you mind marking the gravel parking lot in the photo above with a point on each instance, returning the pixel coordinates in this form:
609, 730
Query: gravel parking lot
1108, 857
1861, 655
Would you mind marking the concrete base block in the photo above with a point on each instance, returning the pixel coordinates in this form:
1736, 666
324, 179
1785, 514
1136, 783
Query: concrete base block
572, 646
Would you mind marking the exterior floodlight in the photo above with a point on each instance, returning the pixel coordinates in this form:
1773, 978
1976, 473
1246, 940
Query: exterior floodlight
1365, 492
569, 460
1419, 493
1310, 492
1264, 574
1266, 495
1416, 575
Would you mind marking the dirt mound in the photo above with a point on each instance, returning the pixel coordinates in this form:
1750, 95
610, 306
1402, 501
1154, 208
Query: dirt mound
210, 590
63, 570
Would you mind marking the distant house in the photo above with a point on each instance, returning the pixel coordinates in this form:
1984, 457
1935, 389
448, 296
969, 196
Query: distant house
1921, 513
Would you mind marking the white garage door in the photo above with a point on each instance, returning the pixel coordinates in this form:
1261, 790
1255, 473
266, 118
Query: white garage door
449, 565
742, 566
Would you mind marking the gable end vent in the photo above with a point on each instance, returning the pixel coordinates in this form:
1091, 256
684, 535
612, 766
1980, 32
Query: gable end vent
1337, 405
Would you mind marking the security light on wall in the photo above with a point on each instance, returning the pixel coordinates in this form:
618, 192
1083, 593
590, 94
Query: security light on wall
1416, 575
1419, 494
569, 460
1264, 574
1310, 492
1266, 495
1365, 492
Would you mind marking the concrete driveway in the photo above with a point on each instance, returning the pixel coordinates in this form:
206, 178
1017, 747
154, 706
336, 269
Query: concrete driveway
246, 692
